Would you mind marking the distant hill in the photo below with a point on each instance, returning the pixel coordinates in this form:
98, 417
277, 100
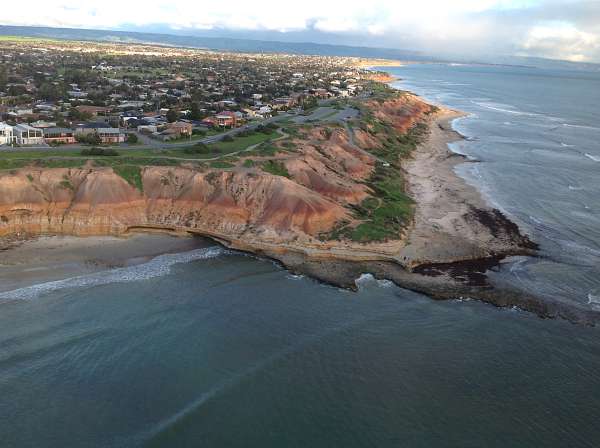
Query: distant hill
249, 45
213, 43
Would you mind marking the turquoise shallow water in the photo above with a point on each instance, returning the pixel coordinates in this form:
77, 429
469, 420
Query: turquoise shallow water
214, 348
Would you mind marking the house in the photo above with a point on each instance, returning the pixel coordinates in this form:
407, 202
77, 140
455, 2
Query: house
209, 122
77, 94
6, 134
94, 111
110, 135
59, 135
41, 124
131, 104
106, 134
181, 128
45, 107
249, 113
321, 93
28, 135
20, 112
226, 119
147, 128
175, 130
265, 111
225, 104
283, 102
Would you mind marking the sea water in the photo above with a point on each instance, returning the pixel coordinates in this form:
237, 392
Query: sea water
215, 348
536, 135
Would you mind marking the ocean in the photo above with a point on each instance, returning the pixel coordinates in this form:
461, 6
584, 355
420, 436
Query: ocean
536, 136
211, 347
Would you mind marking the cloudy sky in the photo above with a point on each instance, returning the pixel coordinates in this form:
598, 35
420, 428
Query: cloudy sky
561, 29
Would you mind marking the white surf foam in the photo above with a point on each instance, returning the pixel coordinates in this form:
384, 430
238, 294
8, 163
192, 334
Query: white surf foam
504, 108
157, 267
594, 299
368, 279
594, 158
580, 126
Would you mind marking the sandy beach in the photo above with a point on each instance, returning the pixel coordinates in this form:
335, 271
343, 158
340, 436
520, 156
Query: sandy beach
453, 222
50, 258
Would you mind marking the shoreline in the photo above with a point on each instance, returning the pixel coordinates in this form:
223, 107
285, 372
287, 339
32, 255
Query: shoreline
45, 259
455, 237
445, 275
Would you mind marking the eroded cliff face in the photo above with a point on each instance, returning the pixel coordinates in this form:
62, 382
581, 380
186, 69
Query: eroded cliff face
328, 175
220, 203
329, 169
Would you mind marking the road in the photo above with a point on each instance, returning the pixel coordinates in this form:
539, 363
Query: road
324, 112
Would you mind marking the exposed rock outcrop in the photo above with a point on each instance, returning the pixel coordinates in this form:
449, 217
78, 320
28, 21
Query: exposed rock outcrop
220, 203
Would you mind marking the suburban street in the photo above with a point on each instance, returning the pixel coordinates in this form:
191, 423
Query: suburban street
324, 112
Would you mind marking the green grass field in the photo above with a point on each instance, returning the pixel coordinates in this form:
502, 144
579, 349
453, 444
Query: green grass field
66, 158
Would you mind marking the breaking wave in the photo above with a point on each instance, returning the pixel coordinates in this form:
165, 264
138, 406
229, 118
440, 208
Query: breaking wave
503, 108
368, 279
594, 158
594, 299
157, 267
579, 126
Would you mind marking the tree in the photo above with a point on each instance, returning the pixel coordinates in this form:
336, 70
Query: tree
79, 116
90, 139
195, 113
172, 116
51, 92
132, 139
3, 78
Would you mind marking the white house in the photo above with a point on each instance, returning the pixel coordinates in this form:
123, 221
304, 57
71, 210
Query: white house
265, 111
6, 134
28, 135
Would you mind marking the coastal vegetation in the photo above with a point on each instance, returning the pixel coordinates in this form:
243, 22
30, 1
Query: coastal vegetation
132, 174
383, 215
276, 168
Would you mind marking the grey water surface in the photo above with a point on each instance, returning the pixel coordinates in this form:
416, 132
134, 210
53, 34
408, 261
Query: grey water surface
213, 348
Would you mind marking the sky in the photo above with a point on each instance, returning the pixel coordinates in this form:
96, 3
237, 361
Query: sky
558, 29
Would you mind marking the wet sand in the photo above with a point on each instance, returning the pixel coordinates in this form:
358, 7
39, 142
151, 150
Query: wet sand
50, 258
453, 222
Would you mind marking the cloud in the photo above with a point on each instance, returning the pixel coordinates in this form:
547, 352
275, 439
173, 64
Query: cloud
568, 29
562, 41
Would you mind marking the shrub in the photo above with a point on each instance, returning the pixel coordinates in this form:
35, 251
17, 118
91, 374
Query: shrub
200, 148
89, 139
276, 168
99, 152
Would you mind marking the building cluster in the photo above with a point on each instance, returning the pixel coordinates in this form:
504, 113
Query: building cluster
65, 92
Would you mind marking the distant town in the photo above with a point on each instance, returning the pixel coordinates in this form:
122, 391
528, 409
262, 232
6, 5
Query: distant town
55, 93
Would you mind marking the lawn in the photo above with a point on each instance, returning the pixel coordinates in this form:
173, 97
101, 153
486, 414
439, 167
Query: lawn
240, 143
209, 133
53, 158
